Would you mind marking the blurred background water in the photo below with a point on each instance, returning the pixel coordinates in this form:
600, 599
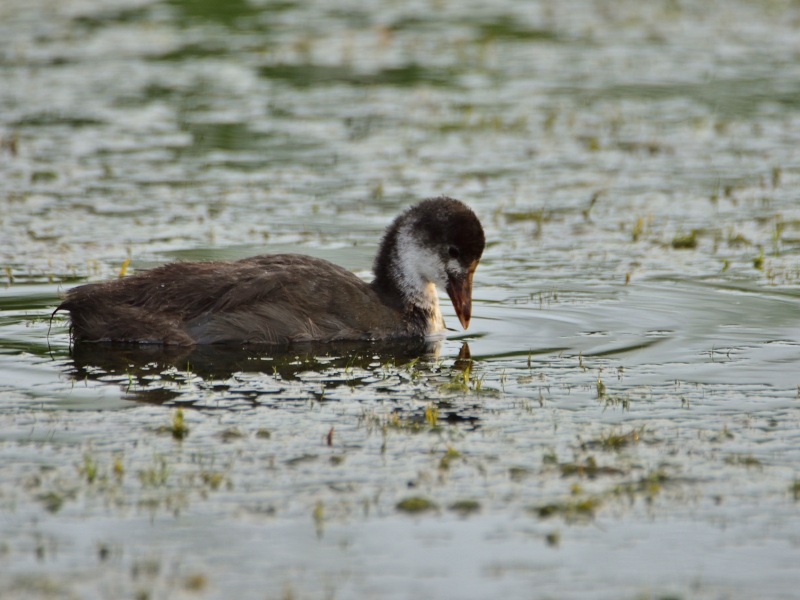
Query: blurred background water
622, 418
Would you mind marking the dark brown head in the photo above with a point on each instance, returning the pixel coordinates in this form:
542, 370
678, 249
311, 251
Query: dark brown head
439, 241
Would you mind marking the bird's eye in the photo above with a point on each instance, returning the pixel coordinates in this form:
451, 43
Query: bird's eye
453, 252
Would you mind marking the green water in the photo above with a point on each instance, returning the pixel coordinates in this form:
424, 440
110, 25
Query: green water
622, 418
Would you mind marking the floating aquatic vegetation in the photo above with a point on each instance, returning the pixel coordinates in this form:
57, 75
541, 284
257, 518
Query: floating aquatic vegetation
415, 505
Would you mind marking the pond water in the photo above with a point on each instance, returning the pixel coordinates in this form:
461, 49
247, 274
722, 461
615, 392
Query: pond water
621, 419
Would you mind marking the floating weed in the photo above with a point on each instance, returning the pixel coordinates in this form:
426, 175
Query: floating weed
459, 382
409, 366
777, 232
588, 468
156, 474
776, 176
537, 216
196, 582
103, 552
118, 468
124, 267
648, 486
231, 433
431, 414
52, 501
685, 241
300, 459
172, 501
571, 510
89, 468
590, 142
477, 382
465, 507
722, 436
148, 567
553, 539
795, 489
350, 365
737, 239
758, 261
318, 515
395, 422
743, 460
614, 441
601, 388
264, 434
179, 428
415, 505
519, 473
372, 420
622, 401
586, 212
484, 123
212, 479
451, 454
637, 230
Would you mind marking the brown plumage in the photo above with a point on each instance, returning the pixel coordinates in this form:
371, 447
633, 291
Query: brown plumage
285, 298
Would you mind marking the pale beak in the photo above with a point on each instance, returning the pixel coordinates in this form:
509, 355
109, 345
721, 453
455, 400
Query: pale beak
460, 292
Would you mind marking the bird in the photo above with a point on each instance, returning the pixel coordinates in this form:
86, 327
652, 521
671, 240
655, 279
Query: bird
281, 299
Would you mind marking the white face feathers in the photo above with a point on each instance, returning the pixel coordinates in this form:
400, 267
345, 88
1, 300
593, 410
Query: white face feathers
418, 268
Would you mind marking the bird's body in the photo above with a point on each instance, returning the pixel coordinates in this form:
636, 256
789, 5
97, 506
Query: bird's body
285, 298
272, 298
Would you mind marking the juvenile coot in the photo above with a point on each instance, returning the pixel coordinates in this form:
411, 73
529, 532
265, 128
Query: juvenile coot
285, 298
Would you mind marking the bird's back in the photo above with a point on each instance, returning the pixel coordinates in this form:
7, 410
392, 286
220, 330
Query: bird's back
273, 299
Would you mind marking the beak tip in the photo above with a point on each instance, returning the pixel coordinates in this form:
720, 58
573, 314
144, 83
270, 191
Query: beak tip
460, 293
464, 317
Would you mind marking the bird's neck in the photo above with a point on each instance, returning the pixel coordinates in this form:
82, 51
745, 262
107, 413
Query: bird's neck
401, 282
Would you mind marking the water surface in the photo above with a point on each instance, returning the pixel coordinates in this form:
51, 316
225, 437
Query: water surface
622, 418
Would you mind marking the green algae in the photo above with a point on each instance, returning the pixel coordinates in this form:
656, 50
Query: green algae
415, 505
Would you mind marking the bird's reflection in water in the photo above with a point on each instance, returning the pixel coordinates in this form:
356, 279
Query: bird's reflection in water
145, 372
